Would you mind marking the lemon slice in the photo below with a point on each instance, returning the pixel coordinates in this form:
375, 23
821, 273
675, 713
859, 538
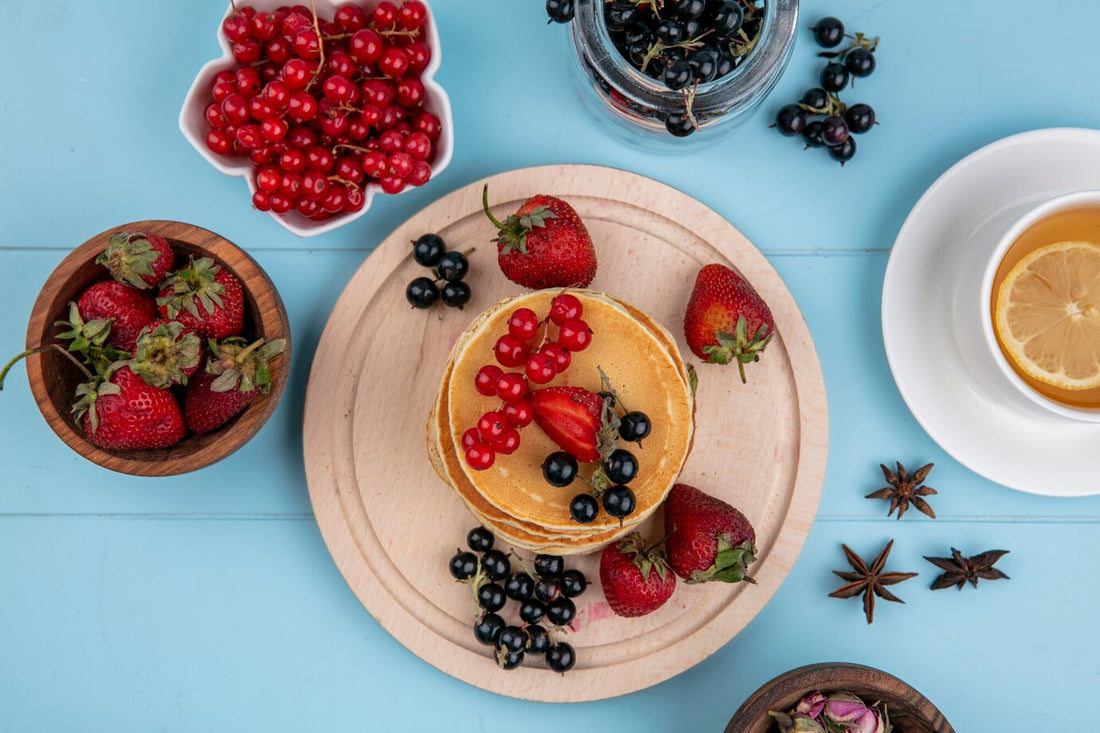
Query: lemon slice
1047, 315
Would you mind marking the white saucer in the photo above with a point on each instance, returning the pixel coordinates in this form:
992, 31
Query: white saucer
963, 408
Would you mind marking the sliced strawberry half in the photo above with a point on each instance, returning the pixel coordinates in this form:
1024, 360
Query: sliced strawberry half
570, 416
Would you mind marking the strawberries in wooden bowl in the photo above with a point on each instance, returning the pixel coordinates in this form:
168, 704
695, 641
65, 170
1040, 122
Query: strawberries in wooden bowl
157, 348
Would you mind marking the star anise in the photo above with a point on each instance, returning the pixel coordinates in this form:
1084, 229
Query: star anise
904, 488
957, 570
870, 581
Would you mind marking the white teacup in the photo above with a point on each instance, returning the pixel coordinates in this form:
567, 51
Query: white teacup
973, 314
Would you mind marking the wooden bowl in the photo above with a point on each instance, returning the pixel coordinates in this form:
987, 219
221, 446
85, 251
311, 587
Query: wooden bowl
53, 378
908, 710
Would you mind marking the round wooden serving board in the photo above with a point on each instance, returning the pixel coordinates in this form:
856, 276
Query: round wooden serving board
391, 524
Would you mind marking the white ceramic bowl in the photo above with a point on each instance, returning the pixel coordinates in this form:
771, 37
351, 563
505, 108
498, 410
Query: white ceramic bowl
193, 123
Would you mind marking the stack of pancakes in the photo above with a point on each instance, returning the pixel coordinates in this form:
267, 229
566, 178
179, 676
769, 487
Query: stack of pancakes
512, 498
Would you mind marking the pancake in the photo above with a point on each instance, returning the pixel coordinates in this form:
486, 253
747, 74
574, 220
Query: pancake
645, 368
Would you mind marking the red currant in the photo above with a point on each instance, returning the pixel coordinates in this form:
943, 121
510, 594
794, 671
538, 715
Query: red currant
418, 146
247, 81
559, 354
565, 306
511, 386
412, 14
390, 141
259, 108
302, 106
348, 168
391, 184
309, 207
276, 94
470, 437
379, 93
421, 173
491, 425
485, 381
223, 89
518, 413
480, 456
339, 90
390, 118
350, 18
218, 141
247, 51
410, 93
575, 335
235, 109
301, 137
266, 26
214, 116
249, 136
394, 62
274, 129
296, 74
292, 161
333, 201
428, 124
236, 27
291, 185
268, 179
523, 324
280, 204
355, 199
401, 165
375, 164
320, 159
307, 44
510, 351
384, 15
279, 49
541, 368
420, 55
334, 125
342, 64
314, 185
365, 46
297, 20
507, 442
261, 201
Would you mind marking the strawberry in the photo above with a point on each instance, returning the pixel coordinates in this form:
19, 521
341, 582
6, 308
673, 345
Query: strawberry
129, 309
726, 320
230, 379
707, 539
137, 259
635, 577
544, 244
570, 416
122, 412
167, 353
205, 297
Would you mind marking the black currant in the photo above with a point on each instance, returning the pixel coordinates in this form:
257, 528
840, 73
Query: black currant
538, 641
428, 248
463, 565
573, 583
704, 65
490, 596
845, 151
679, 124
519, 586
479, 539
584, 508
817, 98
790, 120
547, 589
561, 611
618, 16
549, 566
618, 501
677, 75
860, 62
726, 64
812, 134
690, 8
532, 611
727, 19
561, 657
487, 629
834, 131
456, 294
828, 32
636, 33
621, 466
422, 292
634, 426
495, 564
860, 118
452, 266
509, 660
560, 11
692, 27
668, 31
512, 638
559, 468
834, 77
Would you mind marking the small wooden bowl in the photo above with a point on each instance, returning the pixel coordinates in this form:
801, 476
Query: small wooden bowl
53, 378
908, 710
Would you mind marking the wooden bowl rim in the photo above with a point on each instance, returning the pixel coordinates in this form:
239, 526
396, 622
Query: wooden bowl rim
272, 322
783, 691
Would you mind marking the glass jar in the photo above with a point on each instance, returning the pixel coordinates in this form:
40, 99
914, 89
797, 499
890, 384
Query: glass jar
637, 104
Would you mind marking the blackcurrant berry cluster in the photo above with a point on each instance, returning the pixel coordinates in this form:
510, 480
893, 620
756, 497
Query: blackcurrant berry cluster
681, 43
545, 600
450, 268
838, 120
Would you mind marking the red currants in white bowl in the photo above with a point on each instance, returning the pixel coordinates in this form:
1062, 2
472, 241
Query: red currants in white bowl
319, 107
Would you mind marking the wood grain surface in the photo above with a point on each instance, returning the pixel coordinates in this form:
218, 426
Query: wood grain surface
391, 524
53, 378
908, 710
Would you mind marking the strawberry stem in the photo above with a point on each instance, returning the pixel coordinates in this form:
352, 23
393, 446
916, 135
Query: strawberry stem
28, 352
485, 205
